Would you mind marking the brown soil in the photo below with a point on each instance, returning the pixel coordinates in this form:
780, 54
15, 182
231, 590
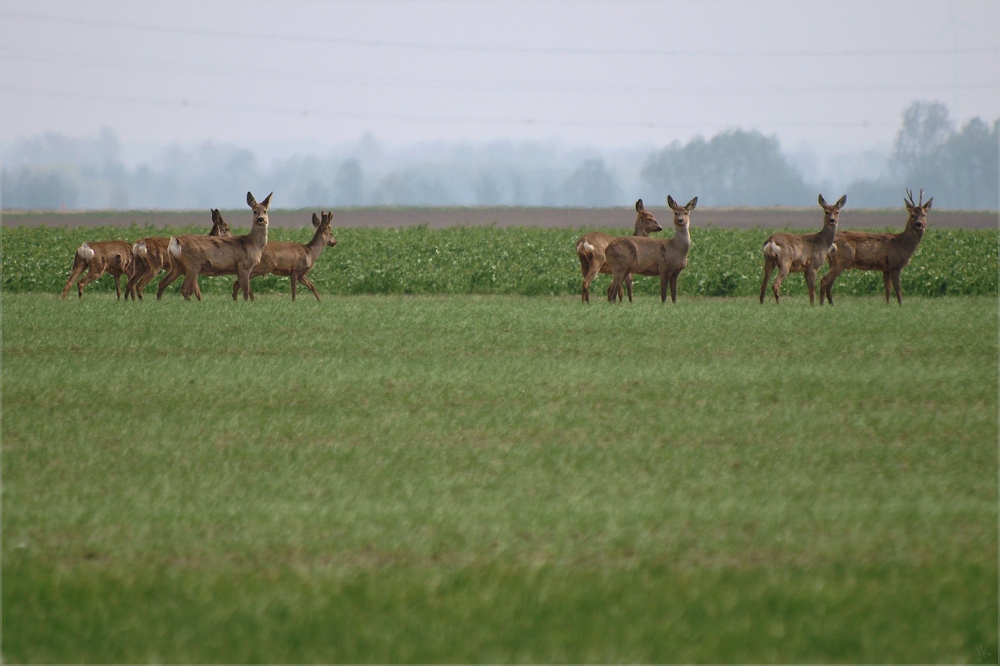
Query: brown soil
768, 218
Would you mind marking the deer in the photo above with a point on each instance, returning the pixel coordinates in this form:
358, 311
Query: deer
800, 253
867, 251
638, 255
193, 255
98, 258
150, 256
591, 247
295, 260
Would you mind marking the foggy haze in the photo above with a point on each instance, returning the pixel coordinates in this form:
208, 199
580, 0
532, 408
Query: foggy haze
478, 97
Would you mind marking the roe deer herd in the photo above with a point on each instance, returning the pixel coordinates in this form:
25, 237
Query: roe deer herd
220, 253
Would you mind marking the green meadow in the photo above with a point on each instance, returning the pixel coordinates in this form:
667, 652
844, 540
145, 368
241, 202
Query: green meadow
500, 478
514, 260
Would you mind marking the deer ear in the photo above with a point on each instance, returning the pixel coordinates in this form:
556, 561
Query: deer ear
250, 200
316, 219
927, 206
691, 204
840, 202
639, 207
670, 202
822, 201
267, 201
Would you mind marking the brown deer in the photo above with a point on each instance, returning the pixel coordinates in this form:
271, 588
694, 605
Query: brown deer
195, 255
800, 253
114, 257
666, 257
889, 253
150, 256
590, 248
295, 260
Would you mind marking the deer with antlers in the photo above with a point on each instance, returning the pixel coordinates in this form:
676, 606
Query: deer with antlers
98, 258
295, 260
800, 253
150, 256
591, 247
867, 251
195, 255
666, 257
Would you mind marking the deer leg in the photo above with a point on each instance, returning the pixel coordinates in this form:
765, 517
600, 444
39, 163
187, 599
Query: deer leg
886, 279
895, 286
673, 287
171, 275
236, 288
768, 268
118, 287
613, 290
294, 279
79, 266
776, 285
826, 285
664, 283
591, 271
811, 284
96, 271
307, 282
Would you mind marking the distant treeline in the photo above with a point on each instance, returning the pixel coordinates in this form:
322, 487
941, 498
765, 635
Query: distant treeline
957, 166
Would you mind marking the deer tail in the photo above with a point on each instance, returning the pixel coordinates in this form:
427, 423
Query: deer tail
86, 252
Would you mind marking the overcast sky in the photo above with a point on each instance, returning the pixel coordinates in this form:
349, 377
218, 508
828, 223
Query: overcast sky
834, 75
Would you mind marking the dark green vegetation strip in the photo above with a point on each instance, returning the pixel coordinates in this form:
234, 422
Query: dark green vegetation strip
524, 261
466, 479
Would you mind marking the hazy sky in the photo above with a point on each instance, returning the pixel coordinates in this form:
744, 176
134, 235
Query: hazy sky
836, 75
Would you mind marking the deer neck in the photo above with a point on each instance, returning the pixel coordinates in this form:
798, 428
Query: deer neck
315, 246
827, 234
258, 234
682, 237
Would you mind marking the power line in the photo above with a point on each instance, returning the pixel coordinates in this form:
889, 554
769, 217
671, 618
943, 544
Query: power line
443, 84
307, 113
479, 48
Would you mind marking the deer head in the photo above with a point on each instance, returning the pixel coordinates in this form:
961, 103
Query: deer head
832, 213
259, 209
917, 211
322, 225
644, 220
219, 226
682, 214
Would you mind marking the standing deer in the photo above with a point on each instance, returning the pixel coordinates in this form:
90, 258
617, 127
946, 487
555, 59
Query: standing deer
295, 260
666, 257
150, 256
889, 253
114, 257
591, 247
195, 255
800, 253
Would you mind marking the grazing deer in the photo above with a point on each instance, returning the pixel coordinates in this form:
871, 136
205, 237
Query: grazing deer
800, 253
889, 253
195, 255
590, 248
666, 257
114, 257
295, 260
150, 256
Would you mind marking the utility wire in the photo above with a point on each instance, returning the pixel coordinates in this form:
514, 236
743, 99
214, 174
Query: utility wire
479, 48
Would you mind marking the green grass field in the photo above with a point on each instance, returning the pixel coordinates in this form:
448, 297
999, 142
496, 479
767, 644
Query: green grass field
499, 478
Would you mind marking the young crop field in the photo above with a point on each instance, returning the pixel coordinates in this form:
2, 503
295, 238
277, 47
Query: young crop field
480, 476
514, 260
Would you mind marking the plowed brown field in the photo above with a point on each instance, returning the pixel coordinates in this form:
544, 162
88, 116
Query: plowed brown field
794, 218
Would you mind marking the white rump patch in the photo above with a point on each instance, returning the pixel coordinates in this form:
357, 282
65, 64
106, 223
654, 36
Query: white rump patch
139, 249
86, 252
174, 248
587, 247
772, 249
